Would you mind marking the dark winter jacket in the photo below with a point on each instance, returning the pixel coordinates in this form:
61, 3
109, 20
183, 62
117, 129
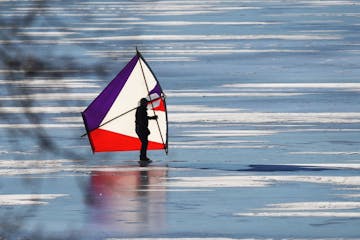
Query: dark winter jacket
142, 119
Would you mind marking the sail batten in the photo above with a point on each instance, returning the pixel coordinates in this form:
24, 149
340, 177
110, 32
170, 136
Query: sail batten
110, 120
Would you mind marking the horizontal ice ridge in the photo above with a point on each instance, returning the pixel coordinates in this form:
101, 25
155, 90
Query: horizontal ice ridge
301, 214
307, 206
197, 52
190, 23
41, 167
330, 3
346, 85
27, 199
52, 83
326, 153
50, 96
210, 37
258, 181
228, 133
44, 109
263, 117
33, 163
205, 38
45, 33
232, 94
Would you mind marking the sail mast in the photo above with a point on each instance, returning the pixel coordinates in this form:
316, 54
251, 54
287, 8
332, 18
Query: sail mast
152, 105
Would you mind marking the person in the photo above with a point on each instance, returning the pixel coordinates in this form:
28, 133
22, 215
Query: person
142, 122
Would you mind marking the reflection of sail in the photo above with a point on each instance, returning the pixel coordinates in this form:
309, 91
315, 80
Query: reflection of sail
128, 201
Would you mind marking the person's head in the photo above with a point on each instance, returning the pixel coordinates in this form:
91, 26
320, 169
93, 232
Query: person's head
143, 102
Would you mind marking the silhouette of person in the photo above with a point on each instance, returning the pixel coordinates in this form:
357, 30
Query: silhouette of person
142, 122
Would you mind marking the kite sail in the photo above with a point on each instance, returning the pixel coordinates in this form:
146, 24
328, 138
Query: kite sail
110, 119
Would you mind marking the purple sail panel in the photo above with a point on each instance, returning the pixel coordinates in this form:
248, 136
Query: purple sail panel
157, 89
97, 110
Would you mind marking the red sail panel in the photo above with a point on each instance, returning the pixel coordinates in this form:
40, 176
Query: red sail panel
107, 141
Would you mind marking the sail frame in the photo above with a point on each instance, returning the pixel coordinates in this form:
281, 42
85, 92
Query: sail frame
96, 114
163, 99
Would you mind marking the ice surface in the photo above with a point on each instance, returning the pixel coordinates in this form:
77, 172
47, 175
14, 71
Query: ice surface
264, 119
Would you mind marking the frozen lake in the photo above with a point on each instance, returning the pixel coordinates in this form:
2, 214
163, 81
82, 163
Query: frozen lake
264, 120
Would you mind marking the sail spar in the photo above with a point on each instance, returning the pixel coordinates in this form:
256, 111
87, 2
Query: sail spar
110, 119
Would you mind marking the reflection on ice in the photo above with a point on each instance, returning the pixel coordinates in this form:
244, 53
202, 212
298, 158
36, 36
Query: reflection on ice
128, 201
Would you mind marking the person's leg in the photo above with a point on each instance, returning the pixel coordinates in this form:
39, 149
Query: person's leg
144, 146
143, 136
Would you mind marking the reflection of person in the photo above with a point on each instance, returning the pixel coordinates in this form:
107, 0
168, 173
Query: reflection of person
127, 201
142, 122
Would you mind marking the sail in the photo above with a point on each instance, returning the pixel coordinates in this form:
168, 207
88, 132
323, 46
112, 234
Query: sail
110, 119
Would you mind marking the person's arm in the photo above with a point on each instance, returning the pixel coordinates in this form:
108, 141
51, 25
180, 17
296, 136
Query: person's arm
153, 117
